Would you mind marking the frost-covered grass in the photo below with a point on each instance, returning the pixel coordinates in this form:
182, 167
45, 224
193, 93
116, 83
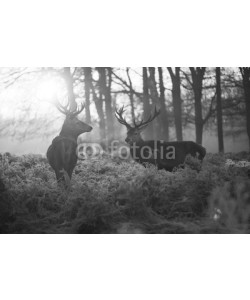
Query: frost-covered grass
109, 195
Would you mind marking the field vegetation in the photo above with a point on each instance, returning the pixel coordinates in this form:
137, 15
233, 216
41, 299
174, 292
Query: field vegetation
112, 195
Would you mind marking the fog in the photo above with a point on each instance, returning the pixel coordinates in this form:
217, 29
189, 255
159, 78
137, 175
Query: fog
232, 143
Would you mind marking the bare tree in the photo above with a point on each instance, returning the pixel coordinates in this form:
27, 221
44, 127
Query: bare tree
87, 87
177, 102
157, 126
164, 112
146, 101
108, 102
105, 82
197, 75
127, 89
245, 72
219, 110
131, 94
68, 78
98, 100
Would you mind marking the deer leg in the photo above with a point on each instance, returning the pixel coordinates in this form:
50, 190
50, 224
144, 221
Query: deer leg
70, 168
60, 177
70, 172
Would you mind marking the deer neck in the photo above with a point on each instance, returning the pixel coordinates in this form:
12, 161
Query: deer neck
140, 141
69, 133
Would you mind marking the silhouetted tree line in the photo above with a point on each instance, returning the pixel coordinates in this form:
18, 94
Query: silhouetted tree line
197, 95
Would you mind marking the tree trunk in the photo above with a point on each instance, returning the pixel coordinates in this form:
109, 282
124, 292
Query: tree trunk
198, 114
164, 113
108, 102
197, 75
146, 103
105, 81
131, 95
67, 76
156, 125
152, 86
219, 111
245, 72
176, 94
99, 108
87, 84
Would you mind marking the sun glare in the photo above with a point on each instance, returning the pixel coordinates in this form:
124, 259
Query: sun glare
49, 89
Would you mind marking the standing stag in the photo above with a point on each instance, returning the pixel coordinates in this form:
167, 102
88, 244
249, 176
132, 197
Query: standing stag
165, 155
61, 153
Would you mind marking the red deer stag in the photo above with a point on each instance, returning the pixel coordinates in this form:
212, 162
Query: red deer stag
61, 153
165, 155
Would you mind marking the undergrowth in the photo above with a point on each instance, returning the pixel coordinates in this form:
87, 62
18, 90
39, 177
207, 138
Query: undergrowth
109, 195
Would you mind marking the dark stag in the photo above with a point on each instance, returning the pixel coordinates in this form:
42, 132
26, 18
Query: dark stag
61, 153
165, 155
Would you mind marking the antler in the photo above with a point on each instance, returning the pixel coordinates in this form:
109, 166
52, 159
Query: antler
149, 120
120, 118
78, 111
141, 125
65, 109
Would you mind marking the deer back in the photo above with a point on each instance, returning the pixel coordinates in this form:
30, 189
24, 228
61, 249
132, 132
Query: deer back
166, 155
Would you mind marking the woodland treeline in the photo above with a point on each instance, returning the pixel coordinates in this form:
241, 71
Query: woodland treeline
196, 97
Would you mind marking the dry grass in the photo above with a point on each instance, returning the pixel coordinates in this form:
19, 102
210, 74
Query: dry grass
109, 195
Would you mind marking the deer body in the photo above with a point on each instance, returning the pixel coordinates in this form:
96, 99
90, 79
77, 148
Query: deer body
61, 153
62, 156
165, 155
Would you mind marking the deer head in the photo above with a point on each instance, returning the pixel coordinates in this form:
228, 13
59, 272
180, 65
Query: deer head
72, 126
134, 132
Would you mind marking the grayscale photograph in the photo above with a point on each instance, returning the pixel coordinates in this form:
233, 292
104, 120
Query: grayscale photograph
123, 150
